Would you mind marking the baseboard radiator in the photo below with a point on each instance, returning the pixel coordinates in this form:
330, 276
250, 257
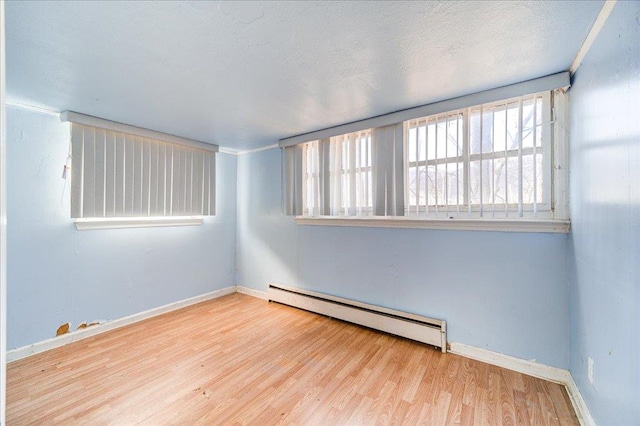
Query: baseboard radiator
415, 327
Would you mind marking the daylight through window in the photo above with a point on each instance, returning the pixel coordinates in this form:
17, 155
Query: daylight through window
491, 160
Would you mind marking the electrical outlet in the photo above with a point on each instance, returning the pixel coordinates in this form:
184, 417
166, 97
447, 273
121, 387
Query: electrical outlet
590, 370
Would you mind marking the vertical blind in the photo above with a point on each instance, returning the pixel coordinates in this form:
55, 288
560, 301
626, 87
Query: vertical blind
292, 180
116, 174
356, 174
388, 170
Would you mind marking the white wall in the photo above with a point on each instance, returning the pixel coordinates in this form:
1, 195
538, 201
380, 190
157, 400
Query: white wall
605, 220
506, 292
57, 274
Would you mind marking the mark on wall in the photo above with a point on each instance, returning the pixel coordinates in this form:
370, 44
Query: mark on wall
63, 329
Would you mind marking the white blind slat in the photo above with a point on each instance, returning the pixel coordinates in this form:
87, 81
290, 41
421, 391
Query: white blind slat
212, 184
137, 176
196, 193
120, 189
99, 169
129, 166
110, 174
189, 183
206, 185
178, 176
88, 186
163, 176
146, 178
77, 169
153, 179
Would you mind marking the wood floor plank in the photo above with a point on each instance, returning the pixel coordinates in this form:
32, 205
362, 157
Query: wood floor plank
241, 360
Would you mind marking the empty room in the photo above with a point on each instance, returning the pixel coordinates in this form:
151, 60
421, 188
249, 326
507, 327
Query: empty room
320, 212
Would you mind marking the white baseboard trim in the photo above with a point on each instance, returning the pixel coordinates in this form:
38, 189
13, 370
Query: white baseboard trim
582, 411
252, 292
55, 342
530, 368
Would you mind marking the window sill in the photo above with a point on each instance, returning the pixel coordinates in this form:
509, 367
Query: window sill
554, 226
87, 224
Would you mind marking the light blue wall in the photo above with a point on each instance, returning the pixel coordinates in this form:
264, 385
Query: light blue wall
506, 292
605, 216
57, 274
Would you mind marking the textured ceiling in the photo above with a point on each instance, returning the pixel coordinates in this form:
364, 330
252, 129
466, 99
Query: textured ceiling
244, 74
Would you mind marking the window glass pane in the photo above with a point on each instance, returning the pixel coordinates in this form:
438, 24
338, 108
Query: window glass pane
481, 130
474, 182
532, 187
454, 147
480, 184
486, 185
412, 185
512, 126
539, 179
412, 147
441, 139
527, 124
499, 185
539, 117
513, 180
487, 130
499, 126
455, 183
430, 182
431, 140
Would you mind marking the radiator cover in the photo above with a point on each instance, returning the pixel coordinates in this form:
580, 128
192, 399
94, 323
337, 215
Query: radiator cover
415, 327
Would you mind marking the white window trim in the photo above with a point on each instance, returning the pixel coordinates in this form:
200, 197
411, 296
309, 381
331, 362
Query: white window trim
97, 223
553, 226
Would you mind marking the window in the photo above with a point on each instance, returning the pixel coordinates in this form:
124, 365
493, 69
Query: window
491, 160
349, 171
355, 174
125, 175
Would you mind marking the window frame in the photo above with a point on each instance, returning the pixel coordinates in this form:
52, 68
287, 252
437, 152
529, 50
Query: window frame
466, 209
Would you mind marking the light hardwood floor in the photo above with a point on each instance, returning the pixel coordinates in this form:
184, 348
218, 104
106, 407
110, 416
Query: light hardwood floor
242, 360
